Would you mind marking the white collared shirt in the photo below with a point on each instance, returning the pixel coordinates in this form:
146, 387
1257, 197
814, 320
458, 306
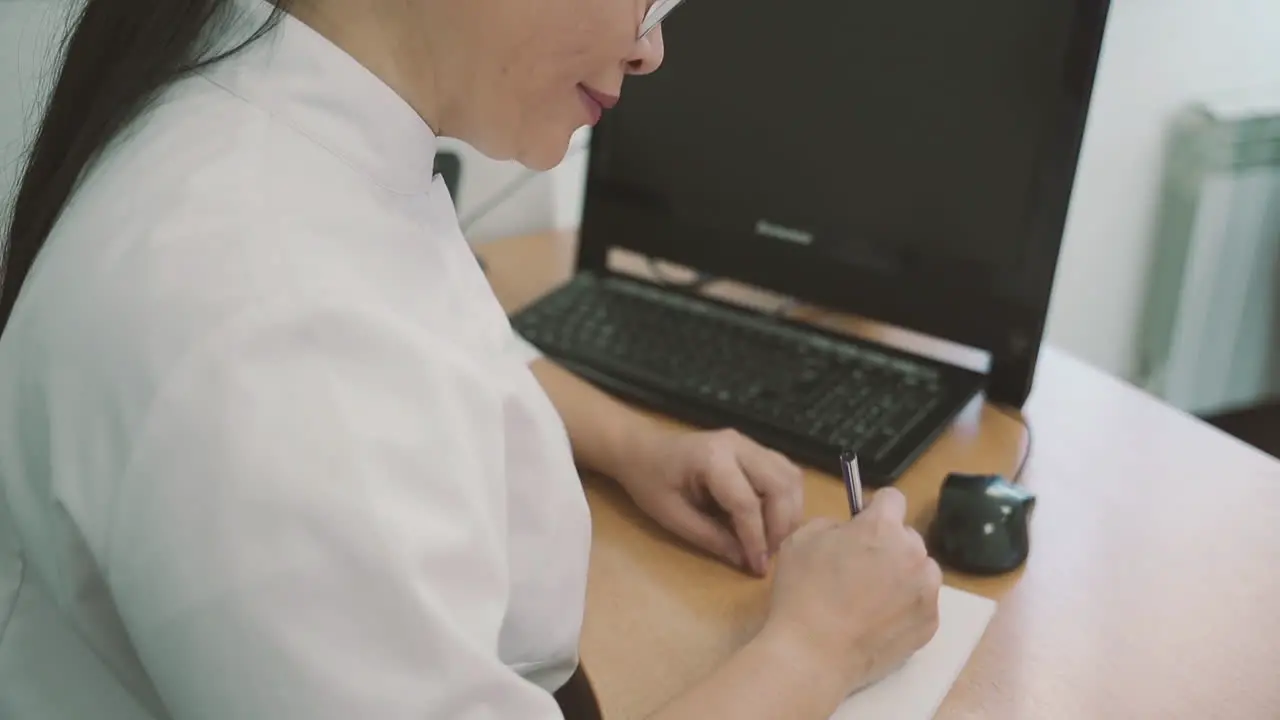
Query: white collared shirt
269, 448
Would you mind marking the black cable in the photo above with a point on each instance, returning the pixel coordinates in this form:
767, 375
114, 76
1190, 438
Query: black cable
698, 283
506, 192
1019, 418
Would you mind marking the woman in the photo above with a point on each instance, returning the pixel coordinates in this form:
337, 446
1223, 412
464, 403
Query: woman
269, 447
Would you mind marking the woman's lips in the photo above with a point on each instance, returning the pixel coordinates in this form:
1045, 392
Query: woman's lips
595, 102
606, 100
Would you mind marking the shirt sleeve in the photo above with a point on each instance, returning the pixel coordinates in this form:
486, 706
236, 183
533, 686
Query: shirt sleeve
523, 349
313, 526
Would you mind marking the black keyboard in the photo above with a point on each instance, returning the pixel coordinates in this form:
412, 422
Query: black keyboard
802, 391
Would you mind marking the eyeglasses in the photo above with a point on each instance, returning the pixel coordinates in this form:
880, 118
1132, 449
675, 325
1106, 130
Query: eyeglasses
657, 13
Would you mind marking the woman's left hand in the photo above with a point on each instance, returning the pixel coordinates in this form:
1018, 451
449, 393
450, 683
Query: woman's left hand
720, 491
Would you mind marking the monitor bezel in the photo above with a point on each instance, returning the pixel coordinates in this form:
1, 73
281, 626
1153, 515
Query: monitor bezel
944, 305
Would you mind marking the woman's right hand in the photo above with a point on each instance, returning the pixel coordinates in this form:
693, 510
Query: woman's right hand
857, 597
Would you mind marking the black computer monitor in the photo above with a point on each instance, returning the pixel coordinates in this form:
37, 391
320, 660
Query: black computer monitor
907, 161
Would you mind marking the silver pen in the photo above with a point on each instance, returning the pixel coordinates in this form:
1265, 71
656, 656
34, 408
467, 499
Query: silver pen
852, 480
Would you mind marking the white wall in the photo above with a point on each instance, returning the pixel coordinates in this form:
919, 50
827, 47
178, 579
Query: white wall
1158, 55
540, 201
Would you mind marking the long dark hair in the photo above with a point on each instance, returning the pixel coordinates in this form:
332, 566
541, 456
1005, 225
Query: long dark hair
116, 56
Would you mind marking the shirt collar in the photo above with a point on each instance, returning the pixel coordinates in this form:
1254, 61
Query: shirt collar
305, 81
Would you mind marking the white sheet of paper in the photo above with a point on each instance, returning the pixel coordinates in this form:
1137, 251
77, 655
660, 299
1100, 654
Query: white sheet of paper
918, 688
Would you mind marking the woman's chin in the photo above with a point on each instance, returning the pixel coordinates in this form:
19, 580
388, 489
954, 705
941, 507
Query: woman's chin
547, 154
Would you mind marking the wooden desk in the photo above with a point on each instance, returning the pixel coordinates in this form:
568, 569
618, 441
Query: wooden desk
1153, 588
